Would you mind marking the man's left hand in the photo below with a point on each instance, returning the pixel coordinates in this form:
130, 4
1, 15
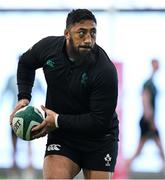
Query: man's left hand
46, 126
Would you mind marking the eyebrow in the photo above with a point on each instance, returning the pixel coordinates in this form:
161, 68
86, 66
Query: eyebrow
86, 29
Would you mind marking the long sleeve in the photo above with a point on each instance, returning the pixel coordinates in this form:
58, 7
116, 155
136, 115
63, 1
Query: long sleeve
25, 79
29, 61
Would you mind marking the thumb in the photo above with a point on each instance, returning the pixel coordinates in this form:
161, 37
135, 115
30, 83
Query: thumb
44, 109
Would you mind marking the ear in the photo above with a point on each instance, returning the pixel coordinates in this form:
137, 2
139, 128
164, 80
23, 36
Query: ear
66, 34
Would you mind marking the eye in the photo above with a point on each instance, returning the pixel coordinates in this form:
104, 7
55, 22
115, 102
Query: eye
81, 34
93, 33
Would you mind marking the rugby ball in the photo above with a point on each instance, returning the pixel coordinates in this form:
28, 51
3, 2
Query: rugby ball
23, 121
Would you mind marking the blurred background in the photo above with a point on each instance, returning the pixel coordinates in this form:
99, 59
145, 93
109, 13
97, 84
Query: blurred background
132, 34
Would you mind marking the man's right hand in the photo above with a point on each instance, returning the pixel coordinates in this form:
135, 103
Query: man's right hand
20, 104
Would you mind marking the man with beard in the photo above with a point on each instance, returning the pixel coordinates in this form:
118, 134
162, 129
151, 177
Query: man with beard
82, 90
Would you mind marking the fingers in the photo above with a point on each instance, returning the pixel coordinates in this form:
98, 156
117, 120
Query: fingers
46, 126
44, 108
39, 127
22, 103
43, 124
39, 134
39, 130
13, 113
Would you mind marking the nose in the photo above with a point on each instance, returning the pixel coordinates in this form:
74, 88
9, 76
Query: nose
88, 39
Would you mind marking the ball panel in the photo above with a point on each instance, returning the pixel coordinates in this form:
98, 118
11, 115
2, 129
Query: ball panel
18, 126
36, 111
24, 119
32, 115
28, 132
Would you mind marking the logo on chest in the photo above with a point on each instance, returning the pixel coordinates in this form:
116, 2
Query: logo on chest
50, 64
84, 79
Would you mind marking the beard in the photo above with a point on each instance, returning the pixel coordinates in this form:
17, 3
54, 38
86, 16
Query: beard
81, 57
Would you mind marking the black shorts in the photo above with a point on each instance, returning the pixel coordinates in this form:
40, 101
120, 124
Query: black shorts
102, 158
146, 130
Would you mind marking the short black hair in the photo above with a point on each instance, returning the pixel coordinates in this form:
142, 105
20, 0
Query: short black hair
76, 15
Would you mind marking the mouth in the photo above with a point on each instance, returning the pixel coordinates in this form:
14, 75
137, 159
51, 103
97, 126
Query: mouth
85, 48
